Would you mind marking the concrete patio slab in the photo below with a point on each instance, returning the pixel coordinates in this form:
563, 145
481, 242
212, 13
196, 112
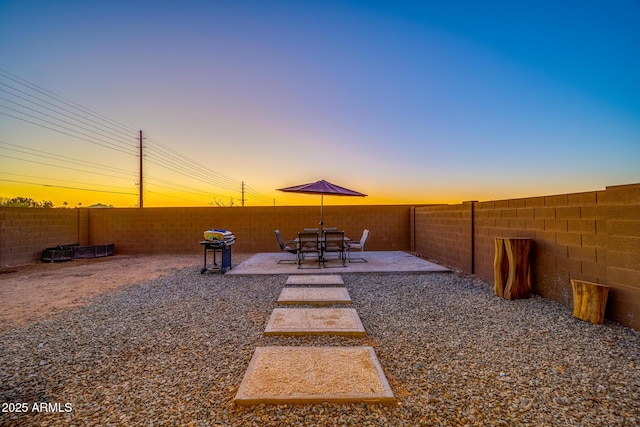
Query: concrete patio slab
378, 262
315, 296
303, 375
315, 321
327, 279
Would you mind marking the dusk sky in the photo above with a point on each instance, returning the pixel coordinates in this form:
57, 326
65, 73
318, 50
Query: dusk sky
408, 102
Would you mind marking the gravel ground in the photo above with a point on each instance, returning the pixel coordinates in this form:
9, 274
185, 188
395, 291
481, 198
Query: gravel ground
172, 351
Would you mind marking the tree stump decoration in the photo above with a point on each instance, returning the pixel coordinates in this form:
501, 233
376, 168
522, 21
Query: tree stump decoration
589, 301
512, 267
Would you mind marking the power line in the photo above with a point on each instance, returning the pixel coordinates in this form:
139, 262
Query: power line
59, 157
53, 117
191, 169
188, 173
65, 101
252, 192
67, 188
64, 133
57, 112
63, 127
182, 188
194, 165
181, 172
62, 180
62, 167
107, 133
47, 102
196, 171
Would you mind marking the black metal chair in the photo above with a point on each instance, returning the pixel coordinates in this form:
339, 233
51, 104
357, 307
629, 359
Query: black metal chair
290, 247
308, 243
334, 244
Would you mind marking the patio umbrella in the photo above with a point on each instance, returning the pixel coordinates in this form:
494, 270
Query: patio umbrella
322, 188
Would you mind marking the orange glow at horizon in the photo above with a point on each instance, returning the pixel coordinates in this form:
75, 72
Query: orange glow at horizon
75, 198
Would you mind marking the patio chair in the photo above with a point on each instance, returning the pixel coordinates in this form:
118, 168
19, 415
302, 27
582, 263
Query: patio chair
357, 245
334, 243
330, 228
308, 243
310, 230
289, 246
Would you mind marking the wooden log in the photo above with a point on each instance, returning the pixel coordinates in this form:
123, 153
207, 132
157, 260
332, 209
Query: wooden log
512, 267
589, 301
500, 268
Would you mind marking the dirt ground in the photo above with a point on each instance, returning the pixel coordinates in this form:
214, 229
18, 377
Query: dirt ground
35, 291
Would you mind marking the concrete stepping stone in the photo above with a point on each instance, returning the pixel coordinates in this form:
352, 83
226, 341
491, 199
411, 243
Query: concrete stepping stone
315, 321
303, 375
315, 296
319, 279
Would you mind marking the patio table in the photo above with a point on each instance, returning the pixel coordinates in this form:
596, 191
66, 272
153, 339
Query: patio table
321, 241
321, 246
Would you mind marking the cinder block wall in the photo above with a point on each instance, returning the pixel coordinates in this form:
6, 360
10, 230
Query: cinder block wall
178, 230
445, 233
593, 236
622, 256
25, 232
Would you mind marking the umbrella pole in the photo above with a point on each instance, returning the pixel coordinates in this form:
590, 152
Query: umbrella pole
321, 213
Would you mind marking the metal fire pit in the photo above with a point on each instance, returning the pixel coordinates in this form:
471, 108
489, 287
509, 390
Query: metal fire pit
59, 253
93, 251
69, 252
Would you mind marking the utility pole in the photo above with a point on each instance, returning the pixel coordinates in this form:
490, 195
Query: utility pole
141, 203
242, 200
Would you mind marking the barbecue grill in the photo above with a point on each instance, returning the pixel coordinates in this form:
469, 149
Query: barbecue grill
217, 241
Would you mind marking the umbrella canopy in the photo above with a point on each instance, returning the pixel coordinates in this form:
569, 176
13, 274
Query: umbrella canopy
321, 187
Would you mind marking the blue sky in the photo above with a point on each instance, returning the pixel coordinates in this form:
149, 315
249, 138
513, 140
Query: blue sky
409, 102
